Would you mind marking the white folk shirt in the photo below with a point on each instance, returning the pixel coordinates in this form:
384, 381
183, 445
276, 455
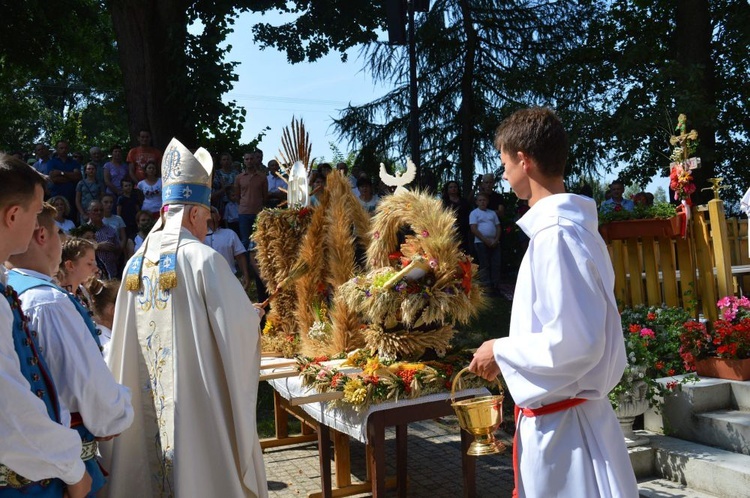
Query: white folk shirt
83, 380
31, 443
566, 342
226, 243
215, 344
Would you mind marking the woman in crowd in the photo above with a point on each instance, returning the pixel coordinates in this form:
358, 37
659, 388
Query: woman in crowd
62, 206
108, 246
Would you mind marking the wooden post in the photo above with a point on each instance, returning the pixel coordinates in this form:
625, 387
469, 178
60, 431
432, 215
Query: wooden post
722, 253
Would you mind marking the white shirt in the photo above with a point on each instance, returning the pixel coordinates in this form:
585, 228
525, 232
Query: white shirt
105, 339
151, 195
137, 241
115, 221
84, 383
369, 205
565, 342
231, 212
31, 443
486, 222
65, 225
226, 243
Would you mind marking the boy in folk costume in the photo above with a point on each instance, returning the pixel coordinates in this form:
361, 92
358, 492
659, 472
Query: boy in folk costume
38, 455
185, 328
565, 351
100, 408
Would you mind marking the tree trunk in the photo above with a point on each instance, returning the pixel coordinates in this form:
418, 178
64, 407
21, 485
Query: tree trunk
151, 37
696, 86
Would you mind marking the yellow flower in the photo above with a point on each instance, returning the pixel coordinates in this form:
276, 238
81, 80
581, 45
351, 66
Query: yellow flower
411, 366
355, 392
268, 328
373, 364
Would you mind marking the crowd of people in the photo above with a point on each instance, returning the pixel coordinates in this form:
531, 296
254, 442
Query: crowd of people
180, 328
114, 199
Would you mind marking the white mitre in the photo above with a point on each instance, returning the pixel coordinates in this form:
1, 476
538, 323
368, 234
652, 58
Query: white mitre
186, 180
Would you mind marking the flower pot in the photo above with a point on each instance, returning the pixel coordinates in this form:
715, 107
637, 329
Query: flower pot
629, 406
628, 229
723, 368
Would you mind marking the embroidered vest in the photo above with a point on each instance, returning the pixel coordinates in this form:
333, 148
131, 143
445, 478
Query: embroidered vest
35, 371
21, 283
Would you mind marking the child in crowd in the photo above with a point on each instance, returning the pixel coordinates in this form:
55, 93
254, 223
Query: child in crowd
127, 207
151, 188
232, 211
113, 220
87, 190
145, 224
103, 295
77, 265
62, 207
486, 229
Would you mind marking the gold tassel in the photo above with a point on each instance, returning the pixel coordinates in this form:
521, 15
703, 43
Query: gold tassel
168, 280
133, 283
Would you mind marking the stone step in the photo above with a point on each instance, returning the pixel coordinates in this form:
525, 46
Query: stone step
725, 429
662, 488
712, 411
700, 467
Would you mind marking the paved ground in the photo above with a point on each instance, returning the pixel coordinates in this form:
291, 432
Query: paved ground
434, 465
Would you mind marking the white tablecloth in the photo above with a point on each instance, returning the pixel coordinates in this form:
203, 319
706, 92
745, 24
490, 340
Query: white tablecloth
348, 420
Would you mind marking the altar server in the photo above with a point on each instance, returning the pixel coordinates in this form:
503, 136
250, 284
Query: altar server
38, 456
565, 351
186, 340
100, 408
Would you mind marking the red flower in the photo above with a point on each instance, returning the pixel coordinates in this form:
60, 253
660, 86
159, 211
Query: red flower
634, 328
659, 365
651, 316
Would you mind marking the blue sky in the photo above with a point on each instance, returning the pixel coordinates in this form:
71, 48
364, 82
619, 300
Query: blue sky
273, 90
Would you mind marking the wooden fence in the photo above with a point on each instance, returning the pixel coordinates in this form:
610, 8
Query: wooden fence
691, 272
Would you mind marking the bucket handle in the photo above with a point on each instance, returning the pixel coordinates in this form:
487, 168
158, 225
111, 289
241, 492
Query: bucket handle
456, 382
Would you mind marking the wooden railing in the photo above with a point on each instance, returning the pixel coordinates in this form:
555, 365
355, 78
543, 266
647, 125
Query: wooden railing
692, 272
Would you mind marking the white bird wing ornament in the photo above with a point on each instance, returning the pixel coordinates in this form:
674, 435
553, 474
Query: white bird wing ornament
401, 179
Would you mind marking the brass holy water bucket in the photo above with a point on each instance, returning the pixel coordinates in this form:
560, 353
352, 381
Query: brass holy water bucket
480, 417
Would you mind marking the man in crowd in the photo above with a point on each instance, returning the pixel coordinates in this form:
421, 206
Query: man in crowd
65, 173
565, 350
185, 329
252, 186
616, 201
39, 454
275, 185
139, 157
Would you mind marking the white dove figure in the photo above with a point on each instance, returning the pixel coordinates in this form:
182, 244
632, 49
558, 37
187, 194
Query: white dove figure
400, 179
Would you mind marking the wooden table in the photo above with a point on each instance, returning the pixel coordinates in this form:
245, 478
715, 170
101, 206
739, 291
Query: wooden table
376, 424
370, 429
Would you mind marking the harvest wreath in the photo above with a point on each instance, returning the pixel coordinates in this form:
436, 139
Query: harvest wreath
380, 380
